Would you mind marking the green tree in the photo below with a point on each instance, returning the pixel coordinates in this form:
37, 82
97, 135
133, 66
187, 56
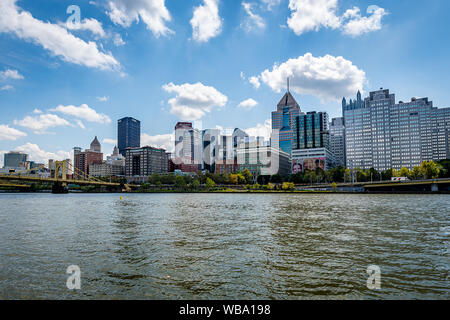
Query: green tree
404, 172
210, 184
180, 183
248, 176
195, 184
430, 170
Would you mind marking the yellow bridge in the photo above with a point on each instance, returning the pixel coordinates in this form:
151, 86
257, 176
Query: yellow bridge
60, 179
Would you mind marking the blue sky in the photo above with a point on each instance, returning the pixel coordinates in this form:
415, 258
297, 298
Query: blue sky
194, 59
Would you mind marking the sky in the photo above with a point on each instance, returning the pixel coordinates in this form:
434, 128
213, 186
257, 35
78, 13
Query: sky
70, 69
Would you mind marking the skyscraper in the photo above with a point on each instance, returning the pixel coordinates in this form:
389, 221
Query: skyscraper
311, 142
84, 159
129, 134
337, 140
283, 120
383, 134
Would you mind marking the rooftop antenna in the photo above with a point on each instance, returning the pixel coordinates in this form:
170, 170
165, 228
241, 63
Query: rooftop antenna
288, 84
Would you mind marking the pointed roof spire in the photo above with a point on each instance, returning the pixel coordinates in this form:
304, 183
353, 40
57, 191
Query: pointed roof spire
288, 84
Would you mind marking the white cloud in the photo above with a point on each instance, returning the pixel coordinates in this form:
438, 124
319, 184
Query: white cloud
248, 104
164, 141
254, 81
194, 101
37, 111
38, 155
103, 99
242, 75
152, 12
253, 20
110, 141
358, 25
6, 88
311, 15
327, 77
53, 38
83, 112
42, 122
11, 74
118, 41
10, 134
80, 124
206, 22
261, 130
91, 25
271, 3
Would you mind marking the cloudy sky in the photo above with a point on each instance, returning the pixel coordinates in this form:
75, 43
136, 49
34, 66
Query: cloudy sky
220, 63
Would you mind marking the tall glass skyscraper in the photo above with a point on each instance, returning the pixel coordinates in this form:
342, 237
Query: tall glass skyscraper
129, 134
283, 120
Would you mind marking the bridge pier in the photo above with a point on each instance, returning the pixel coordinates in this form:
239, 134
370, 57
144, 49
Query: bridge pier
59, 188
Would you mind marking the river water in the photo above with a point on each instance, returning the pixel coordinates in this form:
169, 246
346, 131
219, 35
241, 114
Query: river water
224, 246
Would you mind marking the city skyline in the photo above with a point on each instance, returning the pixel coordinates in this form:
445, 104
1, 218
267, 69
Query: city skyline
51, 102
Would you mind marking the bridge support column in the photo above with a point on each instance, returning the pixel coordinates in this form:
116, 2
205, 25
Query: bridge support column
434, 187
59, 188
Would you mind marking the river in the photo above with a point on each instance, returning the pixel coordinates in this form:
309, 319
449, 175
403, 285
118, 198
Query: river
224, 246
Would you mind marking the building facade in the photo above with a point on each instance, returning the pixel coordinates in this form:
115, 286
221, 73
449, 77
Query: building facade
383, 134
262, 160
143, 162
337, 140
311, 143
188, 148
129, 134
84, 159
283, 120
15, 160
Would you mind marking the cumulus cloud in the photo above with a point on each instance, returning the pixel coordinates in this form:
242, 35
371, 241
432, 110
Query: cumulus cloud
53, 38
163, 141
309, 15
312, 15
248, 104
261, 130
194, 101
10, 74
152, 12
254, 81
10, 134
41, 123
358, 25
91, 25
253, 21
83, 112
206, 22
38, 155
327, 77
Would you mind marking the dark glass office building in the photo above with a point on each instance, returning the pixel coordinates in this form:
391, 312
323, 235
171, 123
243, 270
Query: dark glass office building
129, 134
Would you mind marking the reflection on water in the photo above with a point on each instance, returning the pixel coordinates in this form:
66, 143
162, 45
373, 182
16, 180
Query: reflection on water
264, 246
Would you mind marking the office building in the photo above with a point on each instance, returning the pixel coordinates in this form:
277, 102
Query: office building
383, 134
337, 140
15, 160
84, 159
188, 148
143, 162
262, 160
283, 120
311, 143
129, 134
